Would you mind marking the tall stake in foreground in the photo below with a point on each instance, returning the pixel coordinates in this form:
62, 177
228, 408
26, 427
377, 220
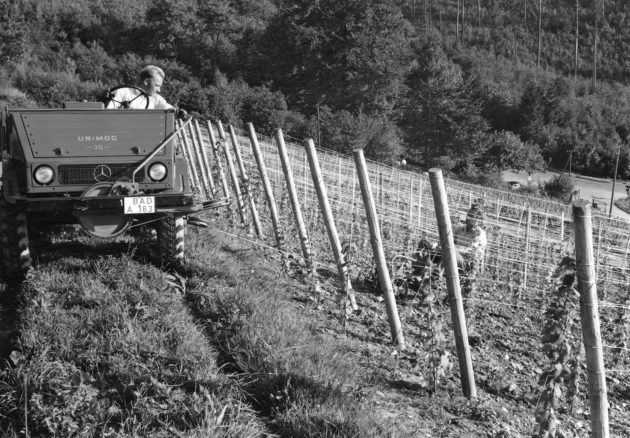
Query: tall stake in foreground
293, 195
322, 195
452, 283
271, 199
245, 179
377, 248
589, 316
231, 170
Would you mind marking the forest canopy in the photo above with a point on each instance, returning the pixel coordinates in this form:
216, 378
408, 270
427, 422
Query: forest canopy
472, 87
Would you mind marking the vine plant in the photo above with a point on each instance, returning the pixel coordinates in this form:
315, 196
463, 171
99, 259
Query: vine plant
422, 275
558, 341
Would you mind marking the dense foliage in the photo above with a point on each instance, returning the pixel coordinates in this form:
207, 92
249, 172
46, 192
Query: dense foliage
474, 91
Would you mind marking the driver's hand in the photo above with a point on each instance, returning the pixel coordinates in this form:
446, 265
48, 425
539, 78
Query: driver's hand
181, 113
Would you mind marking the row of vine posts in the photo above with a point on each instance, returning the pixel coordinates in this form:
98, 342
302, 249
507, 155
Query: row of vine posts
195, 150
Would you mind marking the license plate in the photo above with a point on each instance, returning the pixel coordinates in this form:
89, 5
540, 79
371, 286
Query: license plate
139, 204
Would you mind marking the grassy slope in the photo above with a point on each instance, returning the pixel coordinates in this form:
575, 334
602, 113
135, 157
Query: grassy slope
109, 345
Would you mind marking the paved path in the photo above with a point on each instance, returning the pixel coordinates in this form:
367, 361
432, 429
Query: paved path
588, 187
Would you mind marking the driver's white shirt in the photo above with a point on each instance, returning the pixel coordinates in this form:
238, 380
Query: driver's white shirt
129, 94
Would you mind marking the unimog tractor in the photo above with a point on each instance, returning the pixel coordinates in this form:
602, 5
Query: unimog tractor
105, 170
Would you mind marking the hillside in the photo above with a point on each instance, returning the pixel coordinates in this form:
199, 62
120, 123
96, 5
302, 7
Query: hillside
472, 88
252, 337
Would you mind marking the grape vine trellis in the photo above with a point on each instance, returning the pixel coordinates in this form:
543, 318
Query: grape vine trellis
527, 236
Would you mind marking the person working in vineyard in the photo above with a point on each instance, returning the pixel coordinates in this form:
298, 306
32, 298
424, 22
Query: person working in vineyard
470, 243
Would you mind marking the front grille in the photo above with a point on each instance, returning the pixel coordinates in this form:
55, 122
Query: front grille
88, 174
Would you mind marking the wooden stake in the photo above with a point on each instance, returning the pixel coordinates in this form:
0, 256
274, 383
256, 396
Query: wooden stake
377, 248
231, 170
329, 220
589, 314
526, 252
206, 177
217, 157
599, 245
293, 195
449, 259
271, 200
246, 188
192, 171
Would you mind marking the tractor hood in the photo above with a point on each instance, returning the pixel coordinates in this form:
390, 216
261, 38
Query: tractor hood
90, 133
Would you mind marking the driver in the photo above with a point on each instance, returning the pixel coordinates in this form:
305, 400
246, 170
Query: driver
151, 79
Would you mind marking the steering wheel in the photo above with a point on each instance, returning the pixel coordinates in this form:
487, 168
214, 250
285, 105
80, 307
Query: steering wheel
110, 96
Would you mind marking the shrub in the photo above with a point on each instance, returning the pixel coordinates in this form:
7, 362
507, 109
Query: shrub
343, 131
559, 187
265, 109
92, 62
51, 88
189, 96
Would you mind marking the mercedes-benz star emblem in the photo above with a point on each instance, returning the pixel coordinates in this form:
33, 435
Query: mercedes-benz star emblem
102, 173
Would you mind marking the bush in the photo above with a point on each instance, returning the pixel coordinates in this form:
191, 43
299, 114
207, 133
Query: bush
52, 88
560, 187
343, 132
265, 109
188, 95
92, 62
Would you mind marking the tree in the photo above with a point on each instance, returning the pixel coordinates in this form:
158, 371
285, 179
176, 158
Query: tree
443, 121
350, 55
171, 29
506, 151
379, 138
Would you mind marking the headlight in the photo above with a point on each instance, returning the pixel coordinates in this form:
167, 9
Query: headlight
44, 175
157, 172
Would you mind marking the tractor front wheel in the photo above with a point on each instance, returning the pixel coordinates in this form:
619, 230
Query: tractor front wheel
15, 257
171, 232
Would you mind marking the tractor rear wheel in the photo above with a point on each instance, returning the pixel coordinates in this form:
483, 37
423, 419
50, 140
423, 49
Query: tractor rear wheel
171, 232
15, 257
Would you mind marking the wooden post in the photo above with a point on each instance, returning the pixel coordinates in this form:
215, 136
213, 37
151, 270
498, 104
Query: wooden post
599, 245
526, 255
232, 171
562, 226
329, 220
589, 314
215, 151
208, 183
202, 150
293, 195
248, 193
449, 259
192, 170
271, 200
420, 202
377, 248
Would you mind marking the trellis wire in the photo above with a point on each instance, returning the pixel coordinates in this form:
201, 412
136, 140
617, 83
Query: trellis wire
405, 208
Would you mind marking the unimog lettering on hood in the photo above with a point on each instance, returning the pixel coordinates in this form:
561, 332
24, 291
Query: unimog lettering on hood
82, 138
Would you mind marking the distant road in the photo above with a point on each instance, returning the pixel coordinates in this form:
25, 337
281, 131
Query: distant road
588, 187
